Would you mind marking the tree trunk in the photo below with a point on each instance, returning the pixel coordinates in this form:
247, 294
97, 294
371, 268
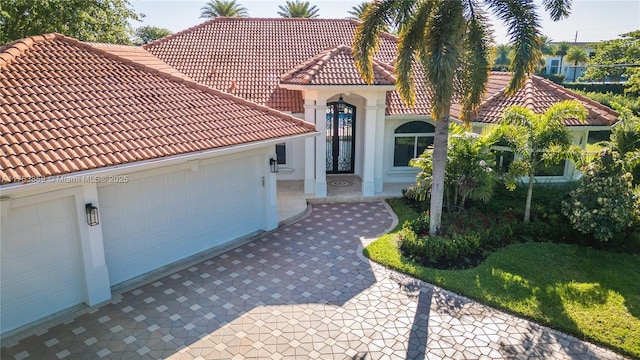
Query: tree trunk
575, 68
527, 206
440, 143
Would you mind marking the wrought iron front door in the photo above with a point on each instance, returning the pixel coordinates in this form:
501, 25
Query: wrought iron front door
341, 127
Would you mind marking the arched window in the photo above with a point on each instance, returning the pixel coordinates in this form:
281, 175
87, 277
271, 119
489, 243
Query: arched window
411, 139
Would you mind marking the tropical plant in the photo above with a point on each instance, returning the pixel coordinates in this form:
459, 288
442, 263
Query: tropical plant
605, 204
104, 21
502, 57
298, 9
561, 50
577, 55
447, 43
222, 8
537, 140
625, 139
612, 59
147, 34
469, 171
357, 11
546, 45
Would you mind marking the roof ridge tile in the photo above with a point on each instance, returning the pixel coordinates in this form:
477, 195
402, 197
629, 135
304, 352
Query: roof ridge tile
13, 49
318, 62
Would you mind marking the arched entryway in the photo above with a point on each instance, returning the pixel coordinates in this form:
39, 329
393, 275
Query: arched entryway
341, 130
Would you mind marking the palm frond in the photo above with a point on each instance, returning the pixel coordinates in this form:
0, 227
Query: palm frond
558, 9
565, 110
476, 63
367, 37
411, 38
523, 24
440, 54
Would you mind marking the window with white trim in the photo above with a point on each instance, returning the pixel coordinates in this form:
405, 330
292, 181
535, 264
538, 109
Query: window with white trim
411, 140
504, 157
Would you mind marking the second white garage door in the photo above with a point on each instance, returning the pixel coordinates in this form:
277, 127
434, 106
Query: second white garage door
153, 221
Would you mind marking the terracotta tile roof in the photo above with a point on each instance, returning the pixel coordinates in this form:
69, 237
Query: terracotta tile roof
336, 66
539, 94
138, 55
247, 56
67, 106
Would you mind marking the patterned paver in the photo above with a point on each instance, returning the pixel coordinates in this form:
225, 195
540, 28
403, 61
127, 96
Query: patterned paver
304, 291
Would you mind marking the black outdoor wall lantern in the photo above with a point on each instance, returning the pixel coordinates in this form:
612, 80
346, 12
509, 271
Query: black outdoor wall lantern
92, 214
274, 165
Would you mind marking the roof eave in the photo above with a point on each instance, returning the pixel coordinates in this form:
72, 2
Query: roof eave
137, 166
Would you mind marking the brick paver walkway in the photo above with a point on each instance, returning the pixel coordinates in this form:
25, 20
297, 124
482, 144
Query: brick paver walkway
306, 292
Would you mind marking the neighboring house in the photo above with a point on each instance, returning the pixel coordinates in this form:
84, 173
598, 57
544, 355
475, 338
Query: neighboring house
554, 65
172, 168
305, 67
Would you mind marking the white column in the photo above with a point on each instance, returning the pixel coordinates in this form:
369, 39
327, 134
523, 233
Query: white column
271, 193
321, 148
368, 166
379, 146
98, 288
309, 148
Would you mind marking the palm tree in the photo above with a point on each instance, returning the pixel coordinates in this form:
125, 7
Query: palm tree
538, 139
545, 45
503, 57
577, 55
447, 43
226, 8
561, 50
357, 11
298, 9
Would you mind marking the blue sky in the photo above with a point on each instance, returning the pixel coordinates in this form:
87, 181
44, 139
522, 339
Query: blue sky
593, 20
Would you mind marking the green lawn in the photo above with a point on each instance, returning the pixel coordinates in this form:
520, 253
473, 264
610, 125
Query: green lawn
592, 294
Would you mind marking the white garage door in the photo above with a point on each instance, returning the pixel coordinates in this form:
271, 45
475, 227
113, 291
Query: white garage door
41, 262
151, 222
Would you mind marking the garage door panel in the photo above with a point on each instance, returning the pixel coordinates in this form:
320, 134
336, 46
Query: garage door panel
179, 214
20, 241
51, 211
21, 217
61, 277
22, 266
29, 287
58, 256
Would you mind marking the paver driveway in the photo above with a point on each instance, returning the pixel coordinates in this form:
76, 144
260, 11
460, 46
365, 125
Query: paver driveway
303, 291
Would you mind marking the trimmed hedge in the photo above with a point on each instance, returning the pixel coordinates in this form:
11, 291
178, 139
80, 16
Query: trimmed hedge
615, 88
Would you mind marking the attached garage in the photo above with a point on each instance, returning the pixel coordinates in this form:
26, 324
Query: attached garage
42, 271
170, 168
156, 219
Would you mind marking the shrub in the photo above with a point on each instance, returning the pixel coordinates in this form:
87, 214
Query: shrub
614, 88
468, 174
436, 249
605, 204
556, 78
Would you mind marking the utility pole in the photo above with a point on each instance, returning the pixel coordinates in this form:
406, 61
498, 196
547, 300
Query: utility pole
575, 40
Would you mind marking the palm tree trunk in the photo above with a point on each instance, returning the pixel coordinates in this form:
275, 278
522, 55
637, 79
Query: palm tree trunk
575, 68
527, 206
440, 143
